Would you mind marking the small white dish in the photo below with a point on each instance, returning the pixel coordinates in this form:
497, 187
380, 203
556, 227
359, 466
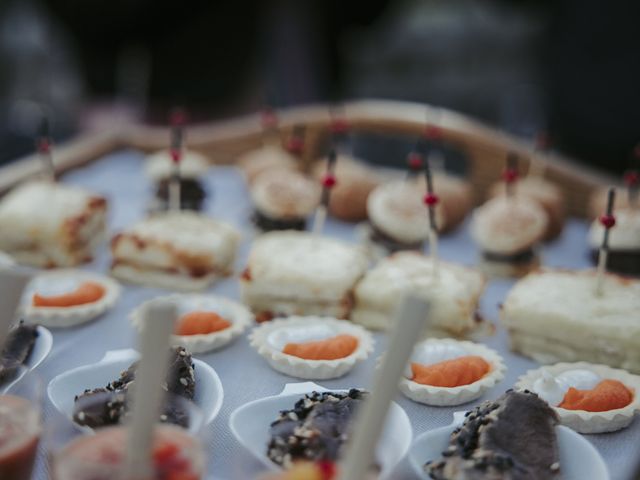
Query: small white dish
578, 458
250, 426
63, 388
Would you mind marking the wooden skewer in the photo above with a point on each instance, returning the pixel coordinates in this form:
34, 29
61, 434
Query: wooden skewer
328, 182
12, 284
607, 221
148, 393
43, 147
177, 151
431, 200
409, 325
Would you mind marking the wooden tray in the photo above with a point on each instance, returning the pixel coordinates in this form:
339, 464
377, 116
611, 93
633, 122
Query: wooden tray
486, 148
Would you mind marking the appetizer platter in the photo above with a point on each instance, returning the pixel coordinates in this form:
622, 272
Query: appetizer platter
285, 258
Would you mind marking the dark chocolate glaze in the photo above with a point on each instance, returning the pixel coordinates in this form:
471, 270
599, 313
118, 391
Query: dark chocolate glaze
315, 429
525, 256
266, 223
625, 262
17, 350
192, 194
109, 405
511, 438
391, 244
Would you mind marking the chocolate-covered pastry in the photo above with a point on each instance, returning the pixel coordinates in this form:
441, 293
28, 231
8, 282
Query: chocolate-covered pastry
315, 429
511, 438
113, 404
17, 350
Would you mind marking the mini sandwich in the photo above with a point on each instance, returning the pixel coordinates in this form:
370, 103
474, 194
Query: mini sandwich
51, 225
297, 273
283, 199
399, 219
624, 242
547, 194
556, 316
254, 162
348, 200
453, 292
176, 250
508, 229
193, 165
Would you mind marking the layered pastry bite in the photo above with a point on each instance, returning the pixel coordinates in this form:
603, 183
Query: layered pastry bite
177, 250
193, 166
586, 397
445, 372
50, 225
297, 273
349, 196
453, 292
100, 407
456, 197
624, 242
268, 157
66, 298
283, 199
398, 216
17, 350
507, 230
315, 429
512, 437
315, 348
556, 315
204, 323
547, 194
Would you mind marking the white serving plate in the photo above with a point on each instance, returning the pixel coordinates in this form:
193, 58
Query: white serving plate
578, 458
250, 425
41, 348
62, 389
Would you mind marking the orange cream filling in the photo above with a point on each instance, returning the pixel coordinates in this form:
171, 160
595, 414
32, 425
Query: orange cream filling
607, 395
333, 348
87, 292
199, 323
451, 373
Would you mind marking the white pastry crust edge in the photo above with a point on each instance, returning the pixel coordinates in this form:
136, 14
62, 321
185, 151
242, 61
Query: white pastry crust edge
60, 317
451, 396
168, 281
311, 369
241, 319
590, 422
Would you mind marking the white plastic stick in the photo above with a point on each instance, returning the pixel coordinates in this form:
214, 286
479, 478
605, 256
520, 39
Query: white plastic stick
148, 393
602, 269
319, 219
410, 323
12, 284
433, 250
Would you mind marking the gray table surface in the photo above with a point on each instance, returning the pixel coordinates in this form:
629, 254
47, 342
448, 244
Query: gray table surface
244, 374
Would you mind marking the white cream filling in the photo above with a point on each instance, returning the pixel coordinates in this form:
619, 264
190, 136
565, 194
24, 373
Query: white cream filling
278, 339
553, 389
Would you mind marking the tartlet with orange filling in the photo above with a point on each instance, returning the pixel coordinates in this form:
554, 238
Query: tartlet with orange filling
65, 298
588, 398
447, 372
314, 348
204, 322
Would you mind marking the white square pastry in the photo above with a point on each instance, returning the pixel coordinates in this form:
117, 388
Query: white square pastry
47, 224
555, 315
176, 250
297, 273
453, 293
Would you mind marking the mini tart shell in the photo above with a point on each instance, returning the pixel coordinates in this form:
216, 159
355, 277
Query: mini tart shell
590, 422
240, 319
60, 317
450, 396
311, 369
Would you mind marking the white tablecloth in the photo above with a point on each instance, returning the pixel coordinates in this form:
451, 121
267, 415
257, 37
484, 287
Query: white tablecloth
244, 374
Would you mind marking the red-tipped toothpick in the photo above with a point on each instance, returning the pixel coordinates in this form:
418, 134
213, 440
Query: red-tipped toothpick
178, 119
542, 143
608, 221
43, 147
431, 200
632, 181
328, 182
295, 144
510, 173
